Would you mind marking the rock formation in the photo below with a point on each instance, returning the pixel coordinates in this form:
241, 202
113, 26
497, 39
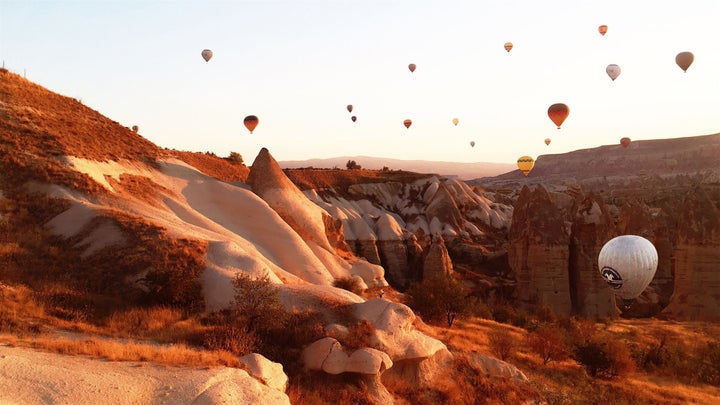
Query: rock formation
437, 260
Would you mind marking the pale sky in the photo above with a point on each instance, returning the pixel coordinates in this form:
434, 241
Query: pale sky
296, 64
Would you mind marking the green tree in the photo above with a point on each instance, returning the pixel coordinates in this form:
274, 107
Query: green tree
439, 296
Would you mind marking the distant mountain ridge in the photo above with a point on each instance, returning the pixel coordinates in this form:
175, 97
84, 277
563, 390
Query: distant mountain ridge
464, 171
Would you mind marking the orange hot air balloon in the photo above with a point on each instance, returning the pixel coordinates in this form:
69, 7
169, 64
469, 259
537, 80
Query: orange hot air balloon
558, 113
353, 118
547, 141
349, 107
251, 122
684, 60
508, 46
602, 29
525, 164
412, 67
407, 123
625, 142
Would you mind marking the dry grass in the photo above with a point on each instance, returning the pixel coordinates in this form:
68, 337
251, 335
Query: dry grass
342, 179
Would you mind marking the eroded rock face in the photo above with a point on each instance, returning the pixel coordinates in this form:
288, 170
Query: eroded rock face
539, 251
592, 226
697, 254
437, 260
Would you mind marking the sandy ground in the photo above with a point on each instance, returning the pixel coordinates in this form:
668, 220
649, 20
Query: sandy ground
32, 377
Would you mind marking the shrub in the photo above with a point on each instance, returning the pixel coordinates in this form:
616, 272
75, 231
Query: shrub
257, 305
501, 343
439, 296
608, 360
549, 343
235, 158
350, 284
361, 334
231, 339
352, 165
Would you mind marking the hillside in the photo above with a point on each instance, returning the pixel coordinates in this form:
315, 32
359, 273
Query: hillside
464, 171
115, 249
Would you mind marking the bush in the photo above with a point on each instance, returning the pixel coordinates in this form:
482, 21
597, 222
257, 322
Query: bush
257, 305
608, 360
550, 343
352, 165
231, 339
361, 334
501, 343
439, 296
235, 158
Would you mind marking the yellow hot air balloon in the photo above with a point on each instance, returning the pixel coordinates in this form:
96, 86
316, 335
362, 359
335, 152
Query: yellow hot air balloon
508, 46
456, 121
684, 60
525, 164
251, 122
349, 107
558, 113
602, 29
206, 54
412, 67
547, 141
613, 71
472, 144
407, 123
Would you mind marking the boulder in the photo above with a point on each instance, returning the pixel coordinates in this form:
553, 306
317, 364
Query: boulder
268, 372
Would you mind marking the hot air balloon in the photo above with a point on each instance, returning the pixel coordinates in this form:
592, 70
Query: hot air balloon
625, 142
684, 60
456, 121
508, 46
135, 128
407, 123
628, 264
525, 164
547, 141
251, 122
472, 144
613, 71
602, 29
206, 54
349, 107
412, 67
558, 112
353, 118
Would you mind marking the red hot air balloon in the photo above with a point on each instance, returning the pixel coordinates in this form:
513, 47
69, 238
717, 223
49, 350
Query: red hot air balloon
407, 123
251, 122
625, 142
353, 118
602, 29
558, 113
412, 67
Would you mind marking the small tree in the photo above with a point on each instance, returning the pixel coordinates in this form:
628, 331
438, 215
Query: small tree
501, 343
235, 158
439, 296
550, 343
352, 165
257, 304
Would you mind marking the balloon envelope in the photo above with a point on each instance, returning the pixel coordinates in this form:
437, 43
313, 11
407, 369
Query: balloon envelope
349, 107
558, 113
628, 264
251, 122
456, 121
411, 67
407, 123
525, 164
547, 141
472, 144
135, 128
684, 60
206, 54
508, 46
613, 71
625, 142
353, 118
602, 29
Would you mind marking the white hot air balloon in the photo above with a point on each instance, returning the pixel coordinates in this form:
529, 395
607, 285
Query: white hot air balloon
628, 264
613, 71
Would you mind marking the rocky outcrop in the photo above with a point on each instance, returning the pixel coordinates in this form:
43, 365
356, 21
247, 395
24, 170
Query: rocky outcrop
493, 367
592, 226
328, 355
266, 371
697, 254
538, 253
437, 260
